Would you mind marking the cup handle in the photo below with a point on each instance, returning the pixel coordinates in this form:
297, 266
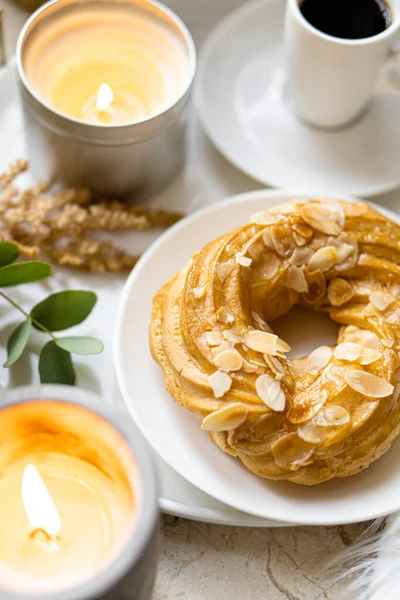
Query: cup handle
389, 77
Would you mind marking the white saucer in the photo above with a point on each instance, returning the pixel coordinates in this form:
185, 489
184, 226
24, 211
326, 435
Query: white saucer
241, 99
175, 434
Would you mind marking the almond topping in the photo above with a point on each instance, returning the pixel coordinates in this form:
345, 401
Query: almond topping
296, 279
286, 208
301, 256
343, 252
213, 338
248, 367
282, 346
244, 261
271, 393
229, 360
299, 239
312, 433
291, 450
368, 384
332, 415
223, 270
327, 218
394, 317
303, 230
264, 218
226, 418
323, 260
268, 239
220, 383
381, 300
340, 291
225, 315
320, 357
275, 365
261, 341
231, 336
198, 292
347, 351
369, 356
364, 337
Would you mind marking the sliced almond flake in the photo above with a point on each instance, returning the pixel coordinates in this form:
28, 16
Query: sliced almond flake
394, 317
332, 415
220, 383
301, 256
382, 300
213, 338
282, 347
368, 384
243, 261
282, 240
261, 341
224, 270
291, 450
320, 357
299, 365
370, 311
364, 337
286, 208
256, 250
267, 239
224, 345
268, 270
264, 218
340, 291
296, 279
312, 433
225, 315
248, 367
226, 418
276, 366
343, 252
299, 239
231, 336
229, 360
369, 356
198, 292
323, 260
303, 230
324, 217
271, 393
347, 351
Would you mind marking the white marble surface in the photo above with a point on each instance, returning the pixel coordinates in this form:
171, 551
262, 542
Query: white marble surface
200, 561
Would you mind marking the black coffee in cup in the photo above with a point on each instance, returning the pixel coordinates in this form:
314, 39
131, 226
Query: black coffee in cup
347, 19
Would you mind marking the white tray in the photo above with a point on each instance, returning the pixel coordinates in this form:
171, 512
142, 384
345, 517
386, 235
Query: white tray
193, 189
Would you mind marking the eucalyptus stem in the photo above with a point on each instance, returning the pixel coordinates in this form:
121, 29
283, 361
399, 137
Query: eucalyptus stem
27, 315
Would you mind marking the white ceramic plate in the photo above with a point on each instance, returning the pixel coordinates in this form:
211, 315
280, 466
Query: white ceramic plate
244, 109
175, 434
178, 497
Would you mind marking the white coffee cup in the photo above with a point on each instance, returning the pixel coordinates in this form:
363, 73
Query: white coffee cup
331, 80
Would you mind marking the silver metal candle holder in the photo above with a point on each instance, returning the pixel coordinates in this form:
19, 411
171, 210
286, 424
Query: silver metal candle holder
137, 158
130, 575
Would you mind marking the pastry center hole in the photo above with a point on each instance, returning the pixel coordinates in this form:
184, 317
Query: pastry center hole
305, 329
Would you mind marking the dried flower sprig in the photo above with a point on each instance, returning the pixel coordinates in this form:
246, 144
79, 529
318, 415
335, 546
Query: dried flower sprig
61, 225
57, 312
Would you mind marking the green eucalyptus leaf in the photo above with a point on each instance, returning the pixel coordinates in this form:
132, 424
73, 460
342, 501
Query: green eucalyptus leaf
8, 253
17, 342
55, 365
24, 272
64, 309
81, 345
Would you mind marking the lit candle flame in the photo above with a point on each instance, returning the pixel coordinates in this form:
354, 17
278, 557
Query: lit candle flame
105, 97
39, 506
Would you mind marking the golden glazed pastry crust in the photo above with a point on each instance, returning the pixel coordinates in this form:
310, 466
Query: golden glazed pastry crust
305, 420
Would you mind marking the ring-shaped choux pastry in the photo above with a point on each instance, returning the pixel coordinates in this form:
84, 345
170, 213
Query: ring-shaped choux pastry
330, 414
